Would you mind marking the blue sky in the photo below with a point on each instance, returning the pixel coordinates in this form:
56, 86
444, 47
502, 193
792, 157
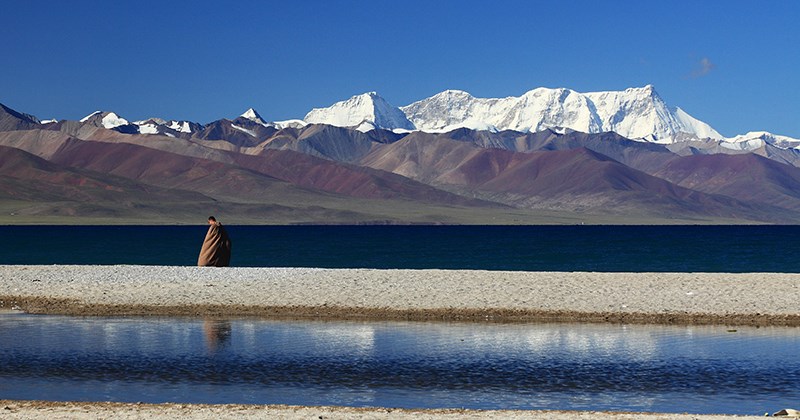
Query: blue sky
733, 64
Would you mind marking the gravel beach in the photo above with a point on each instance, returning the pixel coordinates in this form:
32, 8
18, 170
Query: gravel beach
452, 295
449, 295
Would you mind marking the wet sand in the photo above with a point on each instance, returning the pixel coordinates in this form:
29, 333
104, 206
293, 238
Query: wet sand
447, 295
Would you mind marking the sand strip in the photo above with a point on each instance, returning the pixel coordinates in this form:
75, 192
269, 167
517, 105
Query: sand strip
448, 295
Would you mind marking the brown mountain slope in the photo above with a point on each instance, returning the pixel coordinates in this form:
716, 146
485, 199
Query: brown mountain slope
421, 156
240, 132
41, 143
14, 120
745, 177
168, 170
40, 191
50, 188
351, 180
71, 183
248, 175
580, 178
329, 142
574, 180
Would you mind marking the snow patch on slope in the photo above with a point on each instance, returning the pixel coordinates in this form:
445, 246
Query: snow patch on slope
180, 126
280, 125
244, 130
112, 120
86, 118
148, 128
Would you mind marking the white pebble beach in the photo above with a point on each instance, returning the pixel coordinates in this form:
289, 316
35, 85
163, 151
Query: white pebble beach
449, 295
766, 298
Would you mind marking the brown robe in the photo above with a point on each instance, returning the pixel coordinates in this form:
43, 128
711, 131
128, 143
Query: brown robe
216, 250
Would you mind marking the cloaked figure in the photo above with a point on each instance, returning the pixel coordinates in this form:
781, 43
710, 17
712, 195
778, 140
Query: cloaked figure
216, 250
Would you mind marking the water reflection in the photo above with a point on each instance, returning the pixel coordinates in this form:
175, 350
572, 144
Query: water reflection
217, 333
593, 367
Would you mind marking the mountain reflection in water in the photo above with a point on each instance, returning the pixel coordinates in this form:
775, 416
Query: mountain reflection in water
396, 364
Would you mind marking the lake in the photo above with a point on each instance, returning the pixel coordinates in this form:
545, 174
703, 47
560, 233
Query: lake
528, 248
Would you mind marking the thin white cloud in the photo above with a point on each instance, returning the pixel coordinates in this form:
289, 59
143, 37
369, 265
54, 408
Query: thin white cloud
702, 68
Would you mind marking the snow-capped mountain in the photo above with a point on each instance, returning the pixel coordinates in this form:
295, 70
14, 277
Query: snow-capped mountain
637, 113
537, 110
183, 126
171, 128
253, 115
112, 121
107, 120
640, 113
757, 139
634, 113
364, 112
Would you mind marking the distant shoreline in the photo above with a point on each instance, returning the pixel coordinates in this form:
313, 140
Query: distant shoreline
758, 299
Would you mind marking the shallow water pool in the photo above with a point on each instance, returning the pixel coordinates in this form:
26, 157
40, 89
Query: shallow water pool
398, 364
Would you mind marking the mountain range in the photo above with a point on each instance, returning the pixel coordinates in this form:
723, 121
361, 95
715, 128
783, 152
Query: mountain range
548, 156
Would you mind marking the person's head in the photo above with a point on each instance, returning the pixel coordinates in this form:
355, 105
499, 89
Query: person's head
211, 220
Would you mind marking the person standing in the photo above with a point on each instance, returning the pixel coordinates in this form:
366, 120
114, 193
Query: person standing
216, 249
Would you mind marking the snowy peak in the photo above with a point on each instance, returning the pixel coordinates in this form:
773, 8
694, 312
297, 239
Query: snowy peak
252, 115
544, 108
447, 111
640, 113
368, 107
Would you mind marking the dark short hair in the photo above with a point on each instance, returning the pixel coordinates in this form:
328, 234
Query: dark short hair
212, 218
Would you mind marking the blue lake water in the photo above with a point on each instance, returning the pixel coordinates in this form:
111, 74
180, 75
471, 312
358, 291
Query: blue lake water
552, 248
399, 364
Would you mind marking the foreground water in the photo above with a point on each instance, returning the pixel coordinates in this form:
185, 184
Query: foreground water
391, 364
532, 248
